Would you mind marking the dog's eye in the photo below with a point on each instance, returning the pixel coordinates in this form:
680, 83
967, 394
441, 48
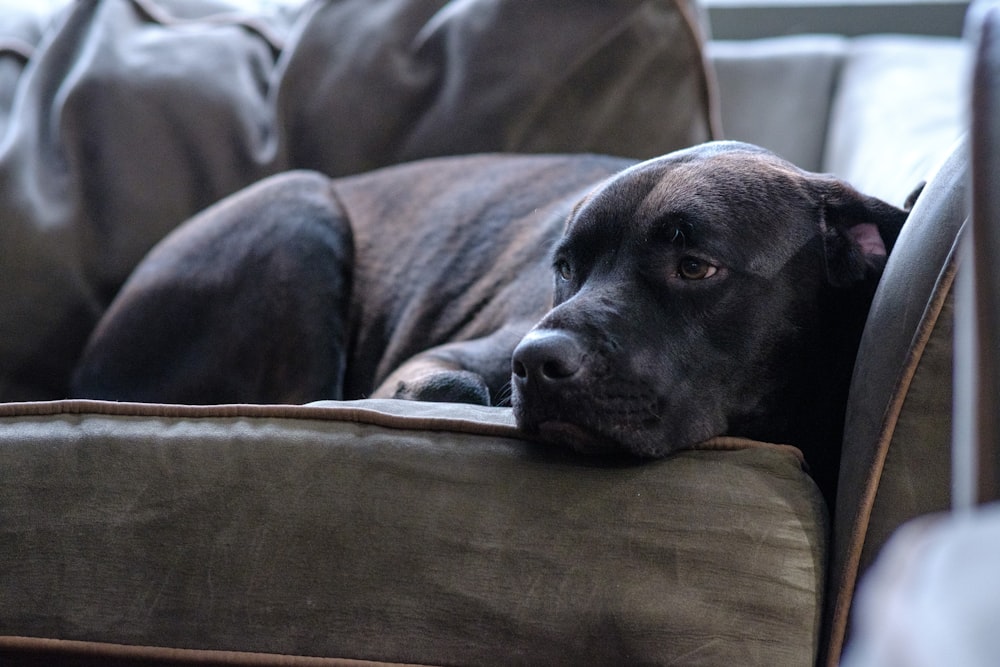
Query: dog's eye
693, 268
564, 270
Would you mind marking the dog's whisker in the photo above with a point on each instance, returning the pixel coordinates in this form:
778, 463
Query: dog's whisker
503, 396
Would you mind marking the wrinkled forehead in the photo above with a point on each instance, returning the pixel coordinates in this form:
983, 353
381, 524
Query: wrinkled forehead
753, 210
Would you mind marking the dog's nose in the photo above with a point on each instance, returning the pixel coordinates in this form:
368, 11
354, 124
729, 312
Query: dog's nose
547, 356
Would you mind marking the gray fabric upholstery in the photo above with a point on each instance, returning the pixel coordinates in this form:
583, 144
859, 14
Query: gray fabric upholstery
388, 530
132, 115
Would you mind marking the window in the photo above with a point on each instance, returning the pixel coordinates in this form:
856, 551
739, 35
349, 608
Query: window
743, 19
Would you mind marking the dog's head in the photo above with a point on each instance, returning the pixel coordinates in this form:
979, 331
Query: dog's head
698, 294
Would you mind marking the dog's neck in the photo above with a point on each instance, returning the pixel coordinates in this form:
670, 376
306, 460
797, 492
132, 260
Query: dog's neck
808, 410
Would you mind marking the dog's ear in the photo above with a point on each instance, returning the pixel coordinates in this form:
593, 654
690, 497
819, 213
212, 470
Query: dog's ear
858, 232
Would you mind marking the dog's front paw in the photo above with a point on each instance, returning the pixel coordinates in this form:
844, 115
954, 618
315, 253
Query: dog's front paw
445, 387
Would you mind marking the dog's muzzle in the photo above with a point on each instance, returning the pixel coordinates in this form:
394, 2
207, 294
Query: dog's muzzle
547, 368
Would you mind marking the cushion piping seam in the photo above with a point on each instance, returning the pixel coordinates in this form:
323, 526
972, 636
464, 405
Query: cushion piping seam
928, 322
346, 413
187, 656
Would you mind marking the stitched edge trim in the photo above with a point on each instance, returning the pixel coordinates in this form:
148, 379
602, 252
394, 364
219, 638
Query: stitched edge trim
852, 562
348, 411
99, 650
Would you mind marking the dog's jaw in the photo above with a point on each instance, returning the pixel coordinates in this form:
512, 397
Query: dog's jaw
571, 435
592, 429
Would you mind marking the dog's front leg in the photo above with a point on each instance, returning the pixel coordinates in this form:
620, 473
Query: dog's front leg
433, 376
473, 371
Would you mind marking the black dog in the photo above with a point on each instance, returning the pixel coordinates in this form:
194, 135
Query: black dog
642, 307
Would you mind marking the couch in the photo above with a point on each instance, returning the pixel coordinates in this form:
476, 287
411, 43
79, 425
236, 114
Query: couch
374, 531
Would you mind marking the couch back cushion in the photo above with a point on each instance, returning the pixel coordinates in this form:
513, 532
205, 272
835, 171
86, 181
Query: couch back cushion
777, 92
897, 110
128, 116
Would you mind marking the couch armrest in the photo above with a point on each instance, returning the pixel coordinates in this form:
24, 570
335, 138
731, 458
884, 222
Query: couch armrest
398, 531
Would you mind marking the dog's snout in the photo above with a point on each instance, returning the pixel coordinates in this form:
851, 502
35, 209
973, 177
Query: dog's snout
547, 356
